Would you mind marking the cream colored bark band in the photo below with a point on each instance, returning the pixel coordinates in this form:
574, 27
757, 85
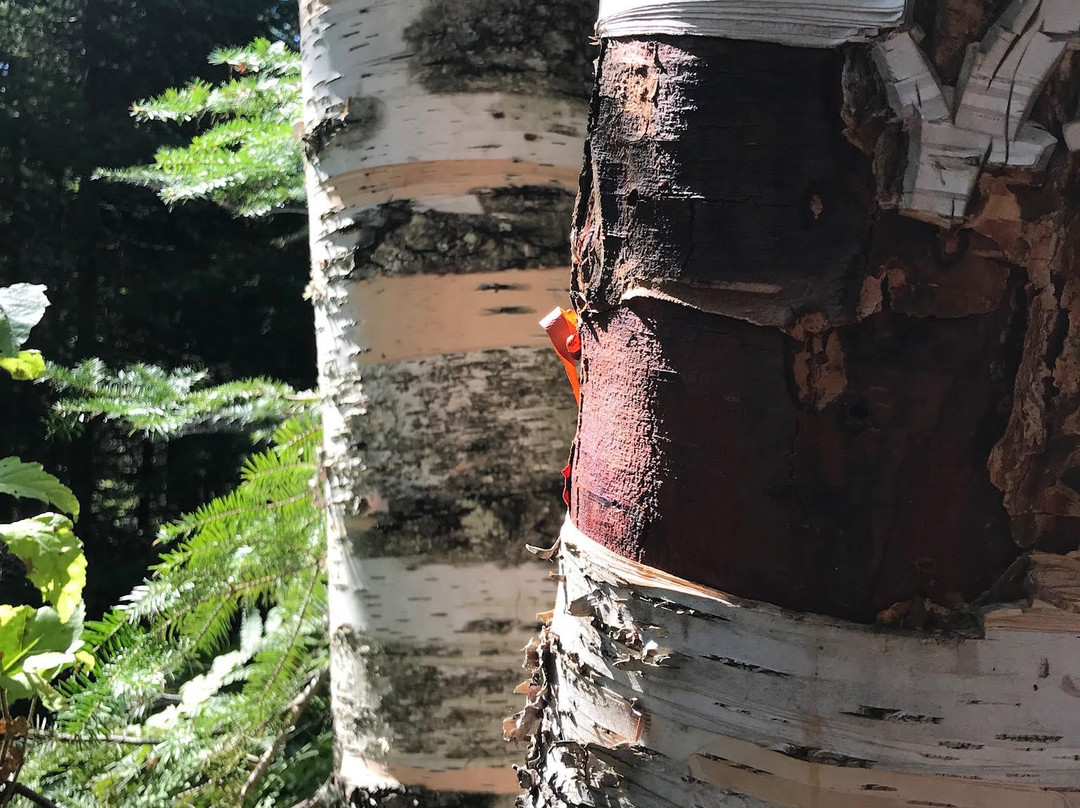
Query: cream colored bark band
790, 22
801, 710
395, 139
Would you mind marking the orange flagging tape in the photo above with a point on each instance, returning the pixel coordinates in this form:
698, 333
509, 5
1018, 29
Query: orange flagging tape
561, 326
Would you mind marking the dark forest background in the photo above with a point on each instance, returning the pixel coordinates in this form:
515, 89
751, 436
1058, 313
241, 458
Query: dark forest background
129, 279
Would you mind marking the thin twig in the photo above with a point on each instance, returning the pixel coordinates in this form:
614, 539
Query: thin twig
7, 738
322, 797
66, 737
38, 799
295, 709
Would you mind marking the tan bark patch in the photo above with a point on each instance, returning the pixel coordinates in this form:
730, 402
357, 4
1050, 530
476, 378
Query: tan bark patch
418, 316
439, 179
818, 366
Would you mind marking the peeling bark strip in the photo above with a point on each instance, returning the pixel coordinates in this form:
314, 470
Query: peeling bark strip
443, 439
670, 693
999, 83
802, 24
1036, 461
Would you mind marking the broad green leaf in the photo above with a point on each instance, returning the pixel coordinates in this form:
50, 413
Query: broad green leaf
22, 306
53, 556
25, 367
25, 631
30, 480
34, 645
13, 621
34, 684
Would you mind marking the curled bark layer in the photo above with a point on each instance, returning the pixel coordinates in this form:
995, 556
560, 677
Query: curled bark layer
669, 693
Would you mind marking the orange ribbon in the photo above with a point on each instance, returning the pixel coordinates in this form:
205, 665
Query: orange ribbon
561, 326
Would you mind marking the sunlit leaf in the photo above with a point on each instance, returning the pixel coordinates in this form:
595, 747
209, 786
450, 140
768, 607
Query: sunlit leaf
25, 366
22, 306
30, 480
26, 633
53, 556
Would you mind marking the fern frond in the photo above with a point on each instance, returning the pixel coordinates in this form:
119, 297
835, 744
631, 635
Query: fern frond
207, 658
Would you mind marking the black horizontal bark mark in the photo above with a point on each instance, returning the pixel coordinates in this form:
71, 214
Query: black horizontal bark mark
744, 666
892, 714
519, 228
813, 755
1025, 738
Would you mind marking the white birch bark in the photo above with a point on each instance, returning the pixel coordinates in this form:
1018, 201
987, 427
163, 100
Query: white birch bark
989, 125
790, 22
446, 418
670, 693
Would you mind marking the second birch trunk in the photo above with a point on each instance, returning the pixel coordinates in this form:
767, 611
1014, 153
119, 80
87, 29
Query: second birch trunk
444, 140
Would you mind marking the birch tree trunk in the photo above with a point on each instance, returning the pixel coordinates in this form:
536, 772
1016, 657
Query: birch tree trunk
824, 508
444, 141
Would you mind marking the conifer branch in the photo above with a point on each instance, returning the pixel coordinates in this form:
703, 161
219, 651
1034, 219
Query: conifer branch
295, 711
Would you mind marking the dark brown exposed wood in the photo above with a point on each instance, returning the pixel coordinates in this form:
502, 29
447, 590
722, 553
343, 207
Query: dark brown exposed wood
788, 392
701, 181
695, 455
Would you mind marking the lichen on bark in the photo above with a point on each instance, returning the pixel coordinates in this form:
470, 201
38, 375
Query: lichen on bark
519, 227
504, 46
464, 453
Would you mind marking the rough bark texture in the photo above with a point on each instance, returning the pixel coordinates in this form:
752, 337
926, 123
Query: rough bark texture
824, 442
435, 150
487, 45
